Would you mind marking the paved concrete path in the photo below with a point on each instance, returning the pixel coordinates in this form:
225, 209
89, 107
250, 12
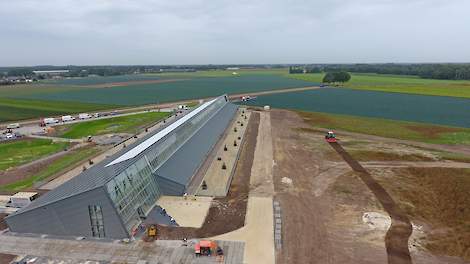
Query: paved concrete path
258, 232
160, 251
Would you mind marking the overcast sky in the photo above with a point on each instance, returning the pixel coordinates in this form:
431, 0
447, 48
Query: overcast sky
90, 32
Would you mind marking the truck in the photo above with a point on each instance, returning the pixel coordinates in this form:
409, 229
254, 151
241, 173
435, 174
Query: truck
84, 116
13, 126
67, 118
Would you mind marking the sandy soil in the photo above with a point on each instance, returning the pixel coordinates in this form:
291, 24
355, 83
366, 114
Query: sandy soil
188, 212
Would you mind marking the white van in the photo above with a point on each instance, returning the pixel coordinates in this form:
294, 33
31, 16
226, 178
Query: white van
84, 116
67, 118
12, 126
50, 121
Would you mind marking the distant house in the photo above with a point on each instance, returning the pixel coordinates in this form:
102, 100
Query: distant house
51, 74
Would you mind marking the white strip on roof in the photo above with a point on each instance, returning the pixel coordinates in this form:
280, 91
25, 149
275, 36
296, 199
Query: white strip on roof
152, 140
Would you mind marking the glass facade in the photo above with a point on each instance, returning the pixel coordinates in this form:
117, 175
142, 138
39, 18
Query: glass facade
96, 220
135, 190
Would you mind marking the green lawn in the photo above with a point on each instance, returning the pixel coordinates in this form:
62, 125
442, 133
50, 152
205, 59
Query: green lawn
19, 152
389, 128
18, 109
398, 84
122, 124
57, 166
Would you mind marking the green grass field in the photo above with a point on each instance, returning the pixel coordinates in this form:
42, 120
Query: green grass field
389, 128
399, 84
20, 109
123, 124
20, 152
57, 166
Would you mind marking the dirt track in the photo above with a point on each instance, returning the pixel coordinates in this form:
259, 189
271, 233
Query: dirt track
396, 240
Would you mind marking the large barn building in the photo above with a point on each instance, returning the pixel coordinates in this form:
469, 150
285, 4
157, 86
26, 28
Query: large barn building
111, 198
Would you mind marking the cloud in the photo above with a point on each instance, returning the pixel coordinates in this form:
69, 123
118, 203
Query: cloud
199, 32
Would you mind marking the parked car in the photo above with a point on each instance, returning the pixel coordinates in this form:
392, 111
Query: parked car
67, 118
13, 126
9, 136
84, 116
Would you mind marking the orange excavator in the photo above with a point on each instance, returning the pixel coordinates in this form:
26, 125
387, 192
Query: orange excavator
330, 137
208, 248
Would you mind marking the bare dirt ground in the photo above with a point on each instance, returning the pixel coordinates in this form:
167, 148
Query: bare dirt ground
228, 213
396, 239
323, 204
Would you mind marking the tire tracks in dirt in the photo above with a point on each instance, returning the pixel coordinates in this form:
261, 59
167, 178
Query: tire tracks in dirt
396, 239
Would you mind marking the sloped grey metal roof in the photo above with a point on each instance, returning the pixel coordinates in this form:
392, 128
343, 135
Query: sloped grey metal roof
184, 163
98, 175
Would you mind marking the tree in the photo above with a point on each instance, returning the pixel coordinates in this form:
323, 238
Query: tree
329, 78
340, 76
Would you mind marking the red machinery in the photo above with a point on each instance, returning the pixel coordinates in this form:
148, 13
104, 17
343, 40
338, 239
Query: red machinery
330, 137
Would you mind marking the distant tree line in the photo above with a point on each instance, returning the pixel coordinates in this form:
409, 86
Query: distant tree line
110, 70
443, 71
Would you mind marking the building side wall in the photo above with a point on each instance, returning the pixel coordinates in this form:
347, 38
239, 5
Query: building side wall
69, 217
168, 187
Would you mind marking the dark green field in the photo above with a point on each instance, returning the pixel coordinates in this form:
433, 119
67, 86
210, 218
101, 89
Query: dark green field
76, 95
19, 109
138, 94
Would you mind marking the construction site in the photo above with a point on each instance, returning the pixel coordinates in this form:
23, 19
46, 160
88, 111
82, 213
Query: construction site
224, 183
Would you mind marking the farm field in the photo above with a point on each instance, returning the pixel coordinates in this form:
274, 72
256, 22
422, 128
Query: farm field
122, 124
19, 152
139, 94
399, 84
20, 109
66, 161
447, 111
390, 128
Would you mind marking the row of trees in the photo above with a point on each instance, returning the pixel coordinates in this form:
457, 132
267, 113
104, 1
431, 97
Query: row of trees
443, 71
337, 77
428, 71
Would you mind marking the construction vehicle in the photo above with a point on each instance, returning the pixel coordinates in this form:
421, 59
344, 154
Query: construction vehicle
150, 234
206, 248
152, 231
330, 137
